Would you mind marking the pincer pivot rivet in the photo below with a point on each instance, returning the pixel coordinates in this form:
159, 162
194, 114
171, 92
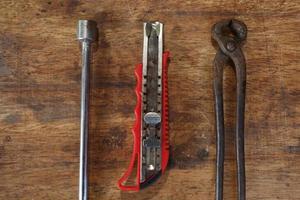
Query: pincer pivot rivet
230, 46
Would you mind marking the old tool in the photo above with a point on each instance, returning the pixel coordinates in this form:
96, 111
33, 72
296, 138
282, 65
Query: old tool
229, 35
86, 34
151, 145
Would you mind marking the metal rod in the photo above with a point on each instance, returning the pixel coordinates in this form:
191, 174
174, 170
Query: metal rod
86, 34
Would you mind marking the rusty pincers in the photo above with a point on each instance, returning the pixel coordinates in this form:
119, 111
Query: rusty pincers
230, 35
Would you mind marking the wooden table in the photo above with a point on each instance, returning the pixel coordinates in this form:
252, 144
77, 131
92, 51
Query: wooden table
40, 98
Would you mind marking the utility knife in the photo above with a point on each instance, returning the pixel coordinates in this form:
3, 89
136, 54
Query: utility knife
151, 143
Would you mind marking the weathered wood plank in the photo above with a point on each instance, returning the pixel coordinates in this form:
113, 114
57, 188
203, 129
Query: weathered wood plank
40, 98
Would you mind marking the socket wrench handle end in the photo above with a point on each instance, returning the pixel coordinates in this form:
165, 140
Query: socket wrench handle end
87, 30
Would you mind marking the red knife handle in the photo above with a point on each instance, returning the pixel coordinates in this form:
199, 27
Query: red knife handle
136, 131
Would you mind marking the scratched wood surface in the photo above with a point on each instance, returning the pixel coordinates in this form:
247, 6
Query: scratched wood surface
40, 98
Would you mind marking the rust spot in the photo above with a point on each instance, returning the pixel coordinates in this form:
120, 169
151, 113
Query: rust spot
71, 6
7, 139
12, 119
9, 46
115, 139
97, 188
2, 151
31, 103
52, 108
202, 154
127, 109
204, 13
183, 117
76, 76
56, 112
102, 18
293, 149
189, 154
4, 69
112, 84
70, 148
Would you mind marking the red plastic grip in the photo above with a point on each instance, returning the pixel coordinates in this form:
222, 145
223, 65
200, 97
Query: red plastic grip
136, 131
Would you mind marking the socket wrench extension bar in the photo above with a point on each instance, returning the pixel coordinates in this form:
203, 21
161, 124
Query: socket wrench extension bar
86, 34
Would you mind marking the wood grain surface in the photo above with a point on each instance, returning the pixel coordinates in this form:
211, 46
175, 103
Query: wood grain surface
40, 98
